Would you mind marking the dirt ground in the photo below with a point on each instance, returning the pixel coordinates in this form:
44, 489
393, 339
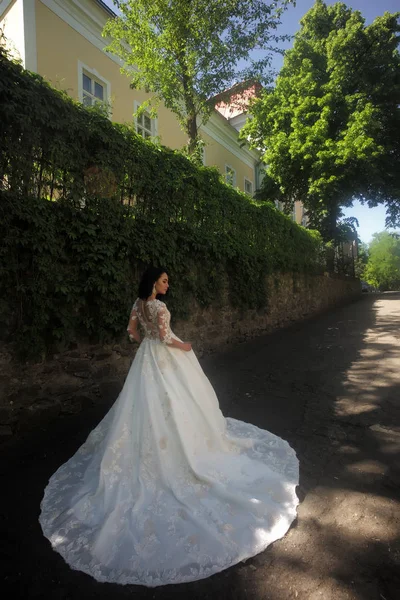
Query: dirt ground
331, 387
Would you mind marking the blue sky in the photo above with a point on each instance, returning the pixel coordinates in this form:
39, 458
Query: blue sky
371, 220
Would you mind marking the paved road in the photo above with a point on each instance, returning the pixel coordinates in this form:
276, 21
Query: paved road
331, 387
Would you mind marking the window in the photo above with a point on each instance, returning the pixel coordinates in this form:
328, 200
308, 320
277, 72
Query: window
230, 175
248, 186
145, 125
92, 88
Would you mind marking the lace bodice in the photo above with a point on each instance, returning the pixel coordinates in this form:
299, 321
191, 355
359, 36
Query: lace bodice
154, 318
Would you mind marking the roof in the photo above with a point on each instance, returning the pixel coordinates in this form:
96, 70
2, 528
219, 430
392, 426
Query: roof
104, 6
235, 101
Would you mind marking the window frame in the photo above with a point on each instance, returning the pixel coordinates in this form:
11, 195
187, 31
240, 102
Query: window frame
247, 180
154, 122
94, 75
233, 184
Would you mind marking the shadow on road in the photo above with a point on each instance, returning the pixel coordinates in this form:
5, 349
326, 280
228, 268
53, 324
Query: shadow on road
331, 387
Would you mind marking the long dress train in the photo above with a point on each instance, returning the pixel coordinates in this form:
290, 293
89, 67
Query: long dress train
165, 489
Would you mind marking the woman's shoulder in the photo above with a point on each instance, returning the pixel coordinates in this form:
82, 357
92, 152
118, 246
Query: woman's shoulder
160, 304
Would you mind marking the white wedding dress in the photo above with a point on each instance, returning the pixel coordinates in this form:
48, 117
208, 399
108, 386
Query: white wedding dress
165, 489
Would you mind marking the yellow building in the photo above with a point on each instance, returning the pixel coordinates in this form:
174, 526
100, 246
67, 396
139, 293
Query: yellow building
61, 40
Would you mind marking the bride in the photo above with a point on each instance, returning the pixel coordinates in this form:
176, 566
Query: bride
165, 489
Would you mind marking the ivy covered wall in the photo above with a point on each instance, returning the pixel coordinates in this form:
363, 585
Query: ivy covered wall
86, 204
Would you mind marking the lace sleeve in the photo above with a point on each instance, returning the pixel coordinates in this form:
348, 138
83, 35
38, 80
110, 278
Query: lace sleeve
163, 324
132, 318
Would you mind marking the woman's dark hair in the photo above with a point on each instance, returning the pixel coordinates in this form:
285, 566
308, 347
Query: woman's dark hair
149, 278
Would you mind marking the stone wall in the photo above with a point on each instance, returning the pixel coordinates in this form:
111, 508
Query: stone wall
32, 395
291, 298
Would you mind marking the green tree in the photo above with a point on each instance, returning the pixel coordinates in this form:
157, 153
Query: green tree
186, 51
383, 267
330, 128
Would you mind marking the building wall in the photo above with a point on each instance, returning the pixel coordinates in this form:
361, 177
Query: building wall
17, 20
298, 212
217, 157
60, 67
12, 24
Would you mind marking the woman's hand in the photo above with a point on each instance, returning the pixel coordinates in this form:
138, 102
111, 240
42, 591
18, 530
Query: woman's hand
186, 346
134, 336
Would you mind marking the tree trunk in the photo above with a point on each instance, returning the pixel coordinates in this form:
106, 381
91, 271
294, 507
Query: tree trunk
332, 223
191, 128
191, 119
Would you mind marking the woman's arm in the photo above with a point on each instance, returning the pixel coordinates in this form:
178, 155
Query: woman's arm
132, 328
186, 346
165, 332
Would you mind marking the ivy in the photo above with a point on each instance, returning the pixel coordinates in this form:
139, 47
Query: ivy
86, 204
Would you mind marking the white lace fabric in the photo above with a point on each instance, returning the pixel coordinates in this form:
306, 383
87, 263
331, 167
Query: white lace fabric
154, 318
165, 489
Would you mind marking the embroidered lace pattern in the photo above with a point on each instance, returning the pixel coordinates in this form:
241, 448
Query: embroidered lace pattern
154, 318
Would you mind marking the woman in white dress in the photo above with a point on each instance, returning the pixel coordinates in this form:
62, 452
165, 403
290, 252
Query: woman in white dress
165, 489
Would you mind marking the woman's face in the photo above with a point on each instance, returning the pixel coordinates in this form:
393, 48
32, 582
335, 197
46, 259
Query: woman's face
162, 284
